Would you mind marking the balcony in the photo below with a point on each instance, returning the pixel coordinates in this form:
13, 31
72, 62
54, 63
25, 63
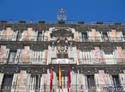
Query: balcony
101, 61
102, 39
63, 61
73, 88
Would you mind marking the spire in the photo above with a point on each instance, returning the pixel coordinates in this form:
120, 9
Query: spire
61, 17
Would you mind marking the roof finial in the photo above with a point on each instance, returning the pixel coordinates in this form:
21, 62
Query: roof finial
61, 15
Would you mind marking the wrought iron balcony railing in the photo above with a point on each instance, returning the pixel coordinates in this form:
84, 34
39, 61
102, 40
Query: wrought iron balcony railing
55, 88
45, 38
62, 61
23, 38
101, 61
102, 39
98, 61
23, 60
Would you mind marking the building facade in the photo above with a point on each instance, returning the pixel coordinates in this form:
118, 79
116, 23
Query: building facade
44, 57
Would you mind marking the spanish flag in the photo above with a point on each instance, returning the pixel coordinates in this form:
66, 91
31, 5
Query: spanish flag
60, 77
51, 78
69, 79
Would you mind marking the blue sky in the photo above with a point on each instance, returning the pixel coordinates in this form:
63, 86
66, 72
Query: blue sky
86, 10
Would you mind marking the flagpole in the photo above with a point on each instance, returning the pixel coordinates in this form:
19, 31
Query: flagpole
76, 81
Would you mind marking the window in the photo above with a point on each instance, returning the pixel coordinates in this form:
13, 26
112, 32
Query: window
116, 82
105, 36
40, 37
90, 81
84, 35
7, 83
12, 55
35, 82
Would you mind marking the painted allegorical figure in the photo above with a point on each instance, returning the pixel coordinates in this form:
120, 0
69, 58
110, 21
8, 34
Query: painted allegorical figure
98, 55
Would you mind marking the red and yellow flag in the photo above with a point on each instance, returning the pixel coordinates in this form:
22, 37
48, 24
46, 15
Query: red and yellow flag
60, 77
69, 79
